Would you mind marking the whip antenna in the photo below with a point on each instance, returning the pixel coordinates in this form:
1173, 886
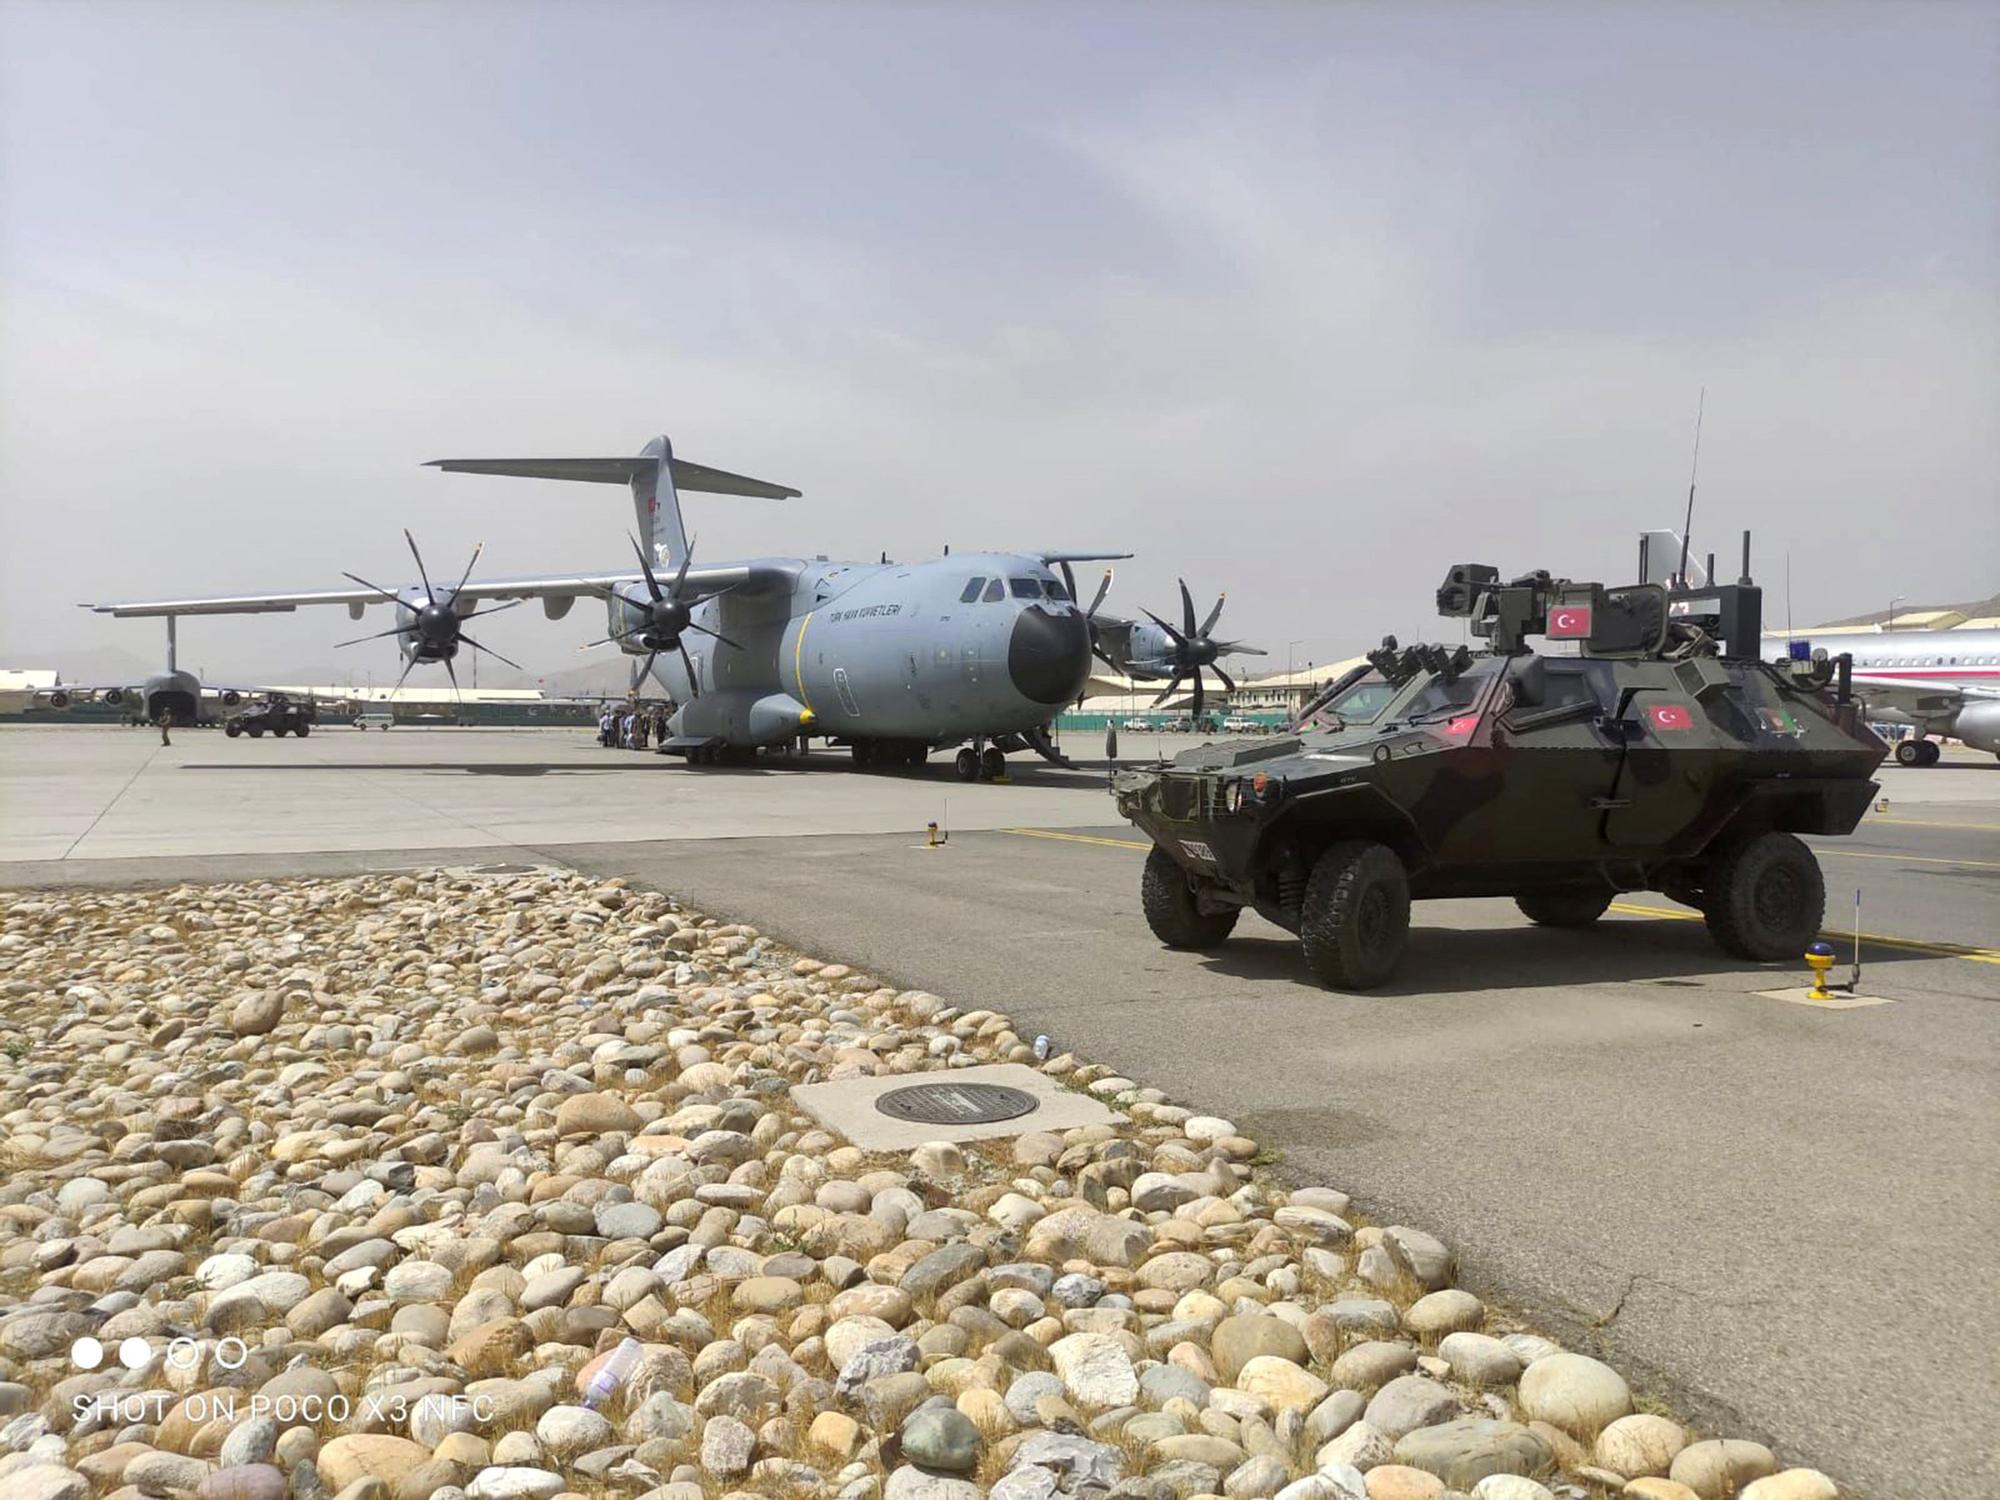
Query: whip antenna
1687, 526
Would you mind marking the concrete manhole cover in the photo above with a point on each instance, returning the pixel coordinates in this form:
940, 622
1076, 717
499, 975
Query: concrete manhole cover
955, 1103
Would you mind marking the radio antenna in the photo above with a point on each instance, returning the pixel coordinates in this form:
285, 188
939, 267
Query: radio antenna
1687, 526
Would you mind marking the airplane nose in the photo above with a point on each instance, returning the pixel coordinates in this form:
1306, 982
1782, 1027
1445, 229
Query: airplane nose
1048, 657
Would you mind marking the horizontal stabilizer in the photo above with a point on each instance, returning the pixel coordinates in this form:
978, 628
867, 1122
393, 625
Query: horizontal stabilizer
687, 476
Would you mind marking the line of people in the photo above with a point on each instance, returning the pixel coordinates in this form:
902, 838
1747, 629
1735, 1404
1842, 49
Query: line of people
631, 726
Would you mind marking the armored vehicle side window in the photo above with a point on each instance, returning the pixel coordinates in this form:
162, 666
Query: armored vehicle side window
1437, 697
972, 589
1362, 702
996, 590
1025, 588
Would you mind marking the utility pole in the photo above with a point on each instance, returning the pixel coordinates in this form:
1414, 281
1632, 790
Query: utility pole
1891, 622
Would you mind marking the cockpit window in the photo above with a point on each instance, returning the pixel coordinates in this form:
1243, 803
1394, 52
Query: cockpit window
972, 589
1025, 588
996, 590
1054, 589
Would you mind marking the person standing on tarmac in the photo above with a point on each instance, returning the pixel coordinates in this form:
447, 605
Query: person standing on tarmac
642, 725
166, 723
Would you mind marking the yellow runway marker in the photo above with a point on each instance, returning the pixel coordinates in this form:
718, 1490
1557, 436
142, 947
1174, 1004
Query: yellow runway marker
1908, 859
1922, 823
1074, 838
1915, 945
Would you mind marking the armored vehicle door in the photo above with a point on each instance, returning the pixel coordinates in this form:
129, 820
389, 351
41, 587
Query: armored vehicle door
1667, 748
1553, 756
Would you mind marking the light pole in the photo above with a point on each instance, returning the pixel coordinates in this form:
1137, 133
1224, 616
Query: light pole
1890, 624
1290, 703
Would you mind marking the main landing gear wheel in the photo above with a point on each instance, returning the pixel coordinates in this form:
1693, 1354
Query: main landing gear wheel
966, 764
1563, 908
1933, 752
1910, 752
1167, 896
992, 764
1355, 921
1765, 898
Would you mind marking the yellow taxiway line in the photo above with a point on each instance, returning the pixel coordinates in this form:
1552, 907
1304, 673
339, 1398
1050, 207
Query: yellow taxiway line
1628, 908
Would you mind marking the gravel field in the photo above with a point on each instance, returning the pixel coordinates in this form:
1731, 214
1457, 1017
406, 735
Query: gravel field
492, 1186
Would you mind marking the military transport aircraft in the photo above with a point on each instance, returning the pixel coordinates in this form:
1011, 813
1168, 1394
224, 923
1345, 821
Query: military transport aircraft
979, 650
172, 691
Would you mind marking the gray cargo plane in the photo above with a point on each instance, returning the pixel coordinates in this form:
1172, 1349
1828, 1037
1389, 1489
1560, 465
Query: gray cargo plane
979, 650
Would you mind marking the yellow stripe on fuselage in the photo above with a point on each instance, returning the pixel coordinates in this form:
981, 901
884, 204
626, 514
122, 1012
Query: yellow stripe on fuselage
798, 663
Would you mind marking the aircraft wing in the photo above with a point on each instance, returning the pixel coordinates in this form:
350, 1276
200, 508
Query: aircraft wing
1920, 699
701, 582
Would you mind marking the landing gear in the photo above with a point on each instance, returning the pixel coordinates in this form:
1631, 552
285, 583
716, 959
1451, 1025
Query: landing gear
1764, 898
1918, 752
992, 764
966, 763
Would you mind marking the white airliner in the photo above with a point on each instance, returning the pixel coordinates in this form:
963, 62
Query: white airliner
1944, 682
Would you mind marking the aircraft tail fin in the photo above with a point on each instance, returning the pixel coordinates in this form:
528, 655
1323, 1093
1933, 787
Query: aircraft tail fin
656, 478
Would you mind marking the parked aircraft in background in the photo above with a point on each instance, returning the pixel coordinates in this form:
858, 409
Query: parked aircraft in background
979, 650
172, 691
1944, 682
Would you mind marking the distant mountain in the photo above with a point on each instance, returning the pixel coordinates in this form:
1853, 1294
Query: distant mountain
103, 665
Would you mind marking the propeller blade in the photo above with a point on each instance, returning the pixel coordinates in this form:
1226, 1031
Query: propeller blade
488, 650
457, 698
1170, 689
652, 583
1213, 615
375, 586
1069, 579
477, 548
647, 670
429, 593
714, 635
1179, 640
1103, 588
694, 680
1227, 680
375, 637
1198, 699
406, 672
1237, 648
687, 560
1187, 609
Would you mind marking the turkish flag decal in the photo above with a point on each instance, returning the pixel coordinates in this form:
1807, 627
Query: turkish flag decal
1671, 716
1569, 622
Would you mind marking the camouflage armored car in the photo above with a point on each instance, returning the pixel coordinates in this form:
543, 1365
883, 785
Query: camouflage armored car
1661, 755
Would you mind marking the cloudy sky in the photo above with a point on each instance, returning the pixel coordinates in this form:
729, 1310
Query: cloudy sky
1304, 301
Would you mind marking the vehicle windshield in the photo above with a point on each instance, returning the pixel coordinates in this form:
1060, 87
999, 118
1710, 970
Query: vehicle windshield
1359, 704
1438, 699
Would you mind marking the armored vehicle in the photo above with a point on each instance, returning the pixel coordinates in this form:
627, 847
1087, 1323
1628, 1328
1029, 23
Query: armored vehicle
1647, 748
279, 714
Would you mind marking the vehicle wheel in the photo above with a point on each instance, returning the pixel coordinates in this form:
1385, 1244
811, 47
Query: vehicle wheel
233, 729
1765, 898
256, 733
992, 765
1355, 921
1910, 752
967, 765
1563, 908
1933, 753
303, 730
1171, 910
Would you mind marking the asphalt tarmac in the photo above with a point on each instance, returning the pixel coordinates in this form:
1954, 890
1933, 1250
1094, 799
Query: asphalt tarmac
1780, 1218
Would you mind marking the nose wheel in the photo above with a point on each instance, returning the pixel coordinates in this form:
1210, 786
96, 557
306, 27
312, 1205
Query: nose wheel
987, 764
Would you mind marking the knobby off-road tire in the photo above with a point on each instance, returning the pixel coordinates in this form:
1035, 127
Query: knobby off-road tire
1765, 898
1563, 908
1170, 907
1355, 922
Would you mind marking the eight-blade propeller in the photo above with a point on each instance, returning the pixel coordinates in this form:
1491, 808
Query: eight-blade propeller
1194, 648
666, 618
438, 626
